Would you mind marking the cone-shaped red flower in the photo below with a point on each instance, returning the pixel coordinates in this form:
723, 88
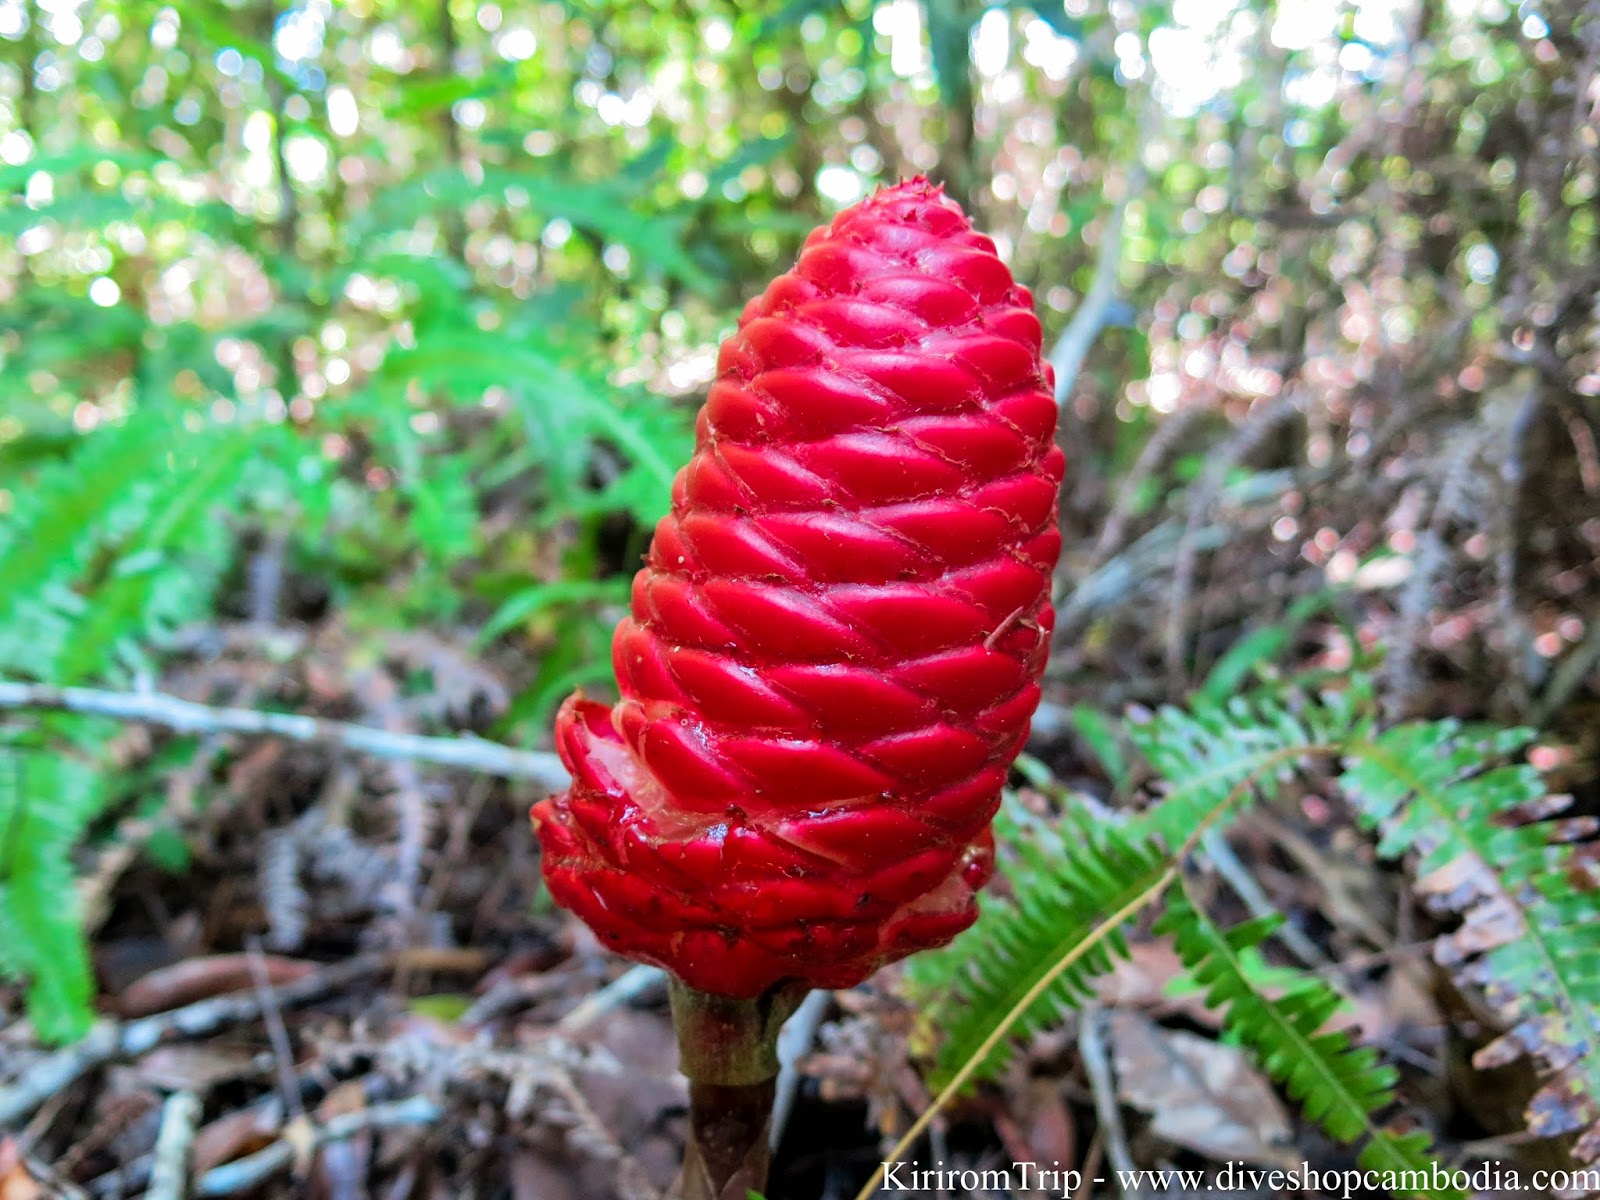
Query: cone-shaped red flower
836, 641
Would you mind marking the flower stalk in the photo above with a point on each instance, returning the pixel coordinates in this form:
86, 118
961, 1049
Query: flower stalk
831, 654
728, 1047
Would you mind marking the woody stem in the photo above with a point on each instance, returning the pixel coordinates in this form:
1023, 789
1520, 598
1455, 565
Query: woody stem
728, 1048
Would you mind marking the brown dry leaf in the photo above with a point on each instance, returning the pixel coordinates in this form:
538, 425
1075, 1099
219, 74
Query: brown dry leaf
197, 1067
1048, 1134
201, 978
16, 1183
1381, 1011
534, 1178
233, 1136
1140, 981
1204, 1096
632, 1102
1562, 1106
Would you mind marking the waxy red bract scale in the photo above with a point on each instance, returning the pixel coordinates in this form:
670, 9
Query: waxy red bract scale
835, 644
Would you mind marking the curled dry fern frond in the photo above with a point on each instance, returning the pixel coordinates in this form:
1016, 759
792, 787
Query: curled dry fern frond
1337, 1085
1527, 893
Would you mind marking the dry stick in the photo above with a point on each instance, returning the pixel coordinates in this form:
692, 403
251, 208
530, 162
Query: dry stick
169, 1172
109, 1041
794, 1041
277, 1033
1506, 528
1449, 500
1260, 905
1097, 1065
1571, 674
633, 982
185, 716
244, 1174
1112, 582
1146, 896
1157, 448
1203, 494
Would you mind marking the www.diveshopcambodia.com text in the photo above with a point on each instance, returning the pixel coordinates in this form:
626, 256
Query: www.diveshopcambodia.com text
1065, 1182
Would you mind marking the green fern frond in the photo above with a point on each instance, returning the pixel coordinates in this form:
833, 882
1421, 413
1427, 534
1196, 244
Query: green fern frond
109, 552
63, 522
46, 803
1216, 753
1338, 1085
1067, 882
565, 407
166, 571
1530, 935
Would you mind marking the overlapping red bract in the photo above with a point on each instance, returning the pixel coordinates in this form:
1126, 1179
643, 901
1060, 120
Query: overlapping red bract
836, 641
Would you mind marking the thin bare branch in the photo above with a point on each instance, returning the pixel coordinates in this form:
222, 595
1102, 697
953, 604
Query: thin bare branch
109, 1041
185, 716
169, 1173
248, 1173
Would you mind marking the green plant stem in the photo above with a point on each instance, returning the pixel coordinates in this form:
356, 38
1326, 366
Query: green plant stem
728, 1048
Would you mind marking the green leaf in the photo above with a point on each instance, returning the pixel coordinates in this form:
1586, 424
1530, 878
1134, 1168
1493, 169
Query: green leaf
530, 602
1337, 1084
1260, 647
46, 802
1097, 732
1066, 882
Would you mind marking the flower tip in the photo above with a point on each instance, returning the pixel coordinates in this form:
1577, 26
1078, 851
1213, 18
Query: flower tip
918, 187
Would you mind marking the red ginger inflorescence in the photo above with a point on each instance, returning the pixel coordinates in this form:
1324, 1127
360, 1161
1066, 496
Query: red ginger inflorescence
836, 641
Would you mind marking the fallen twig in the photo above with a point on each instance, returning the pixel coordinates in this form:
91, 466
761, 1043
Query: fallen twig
1097, 1065
185, 716
1570, 675
110, 1041
169, 1171
1203, 494
277, 1034
632, 982
1245, 885
243, 1174
794, 1041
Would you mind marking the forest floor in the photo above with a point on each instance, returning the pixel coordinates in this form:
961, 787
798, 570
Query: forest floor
347, 976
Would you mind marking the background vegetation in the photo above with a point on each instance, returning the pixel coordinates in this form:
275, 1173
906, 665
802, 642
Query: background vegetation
346, 355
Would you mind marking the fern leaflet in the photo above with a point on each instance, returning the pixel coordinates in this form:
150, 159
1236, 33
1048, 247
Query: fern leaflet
109, 551
63, 521
1336, 1084
1072, 880
46, 802
1215, 753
